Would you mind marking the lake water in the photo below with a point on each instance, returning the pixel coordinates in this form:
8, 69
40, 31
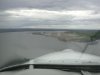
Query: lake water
26, 45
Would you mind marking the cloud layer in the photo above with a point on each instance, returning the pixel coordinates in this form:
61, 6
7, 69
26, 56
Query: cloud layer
30, 13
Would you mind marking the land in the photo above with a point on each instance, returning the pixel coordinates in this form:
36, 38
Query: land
66, 35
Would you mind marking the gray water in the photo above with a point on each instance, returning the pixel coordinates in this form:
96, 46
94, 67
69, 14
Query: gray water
31, 46
26, 45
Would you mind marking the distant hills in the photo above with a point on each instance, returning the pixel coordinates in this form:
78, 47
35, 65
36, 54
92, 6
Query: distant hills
42, 29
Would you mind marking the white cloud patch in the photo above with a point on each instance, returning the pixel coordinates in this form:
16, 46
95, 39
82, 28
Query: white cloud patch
47, 14
25, 17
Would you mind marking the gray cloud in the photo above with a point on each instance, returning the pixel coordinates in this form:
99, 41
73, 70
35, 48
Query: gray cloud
52, 11
50, 4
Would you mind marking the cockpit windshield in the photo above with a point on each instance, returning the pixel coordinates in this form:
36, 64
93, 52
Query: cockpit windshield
50, 34
74, 48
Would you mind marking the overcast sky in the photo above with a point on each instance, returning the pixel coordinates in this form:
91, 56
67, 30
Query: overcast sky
67, 13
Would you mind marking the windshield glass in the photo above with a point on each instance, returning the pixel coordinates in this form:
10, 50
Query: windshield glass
78, 47
66, 50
